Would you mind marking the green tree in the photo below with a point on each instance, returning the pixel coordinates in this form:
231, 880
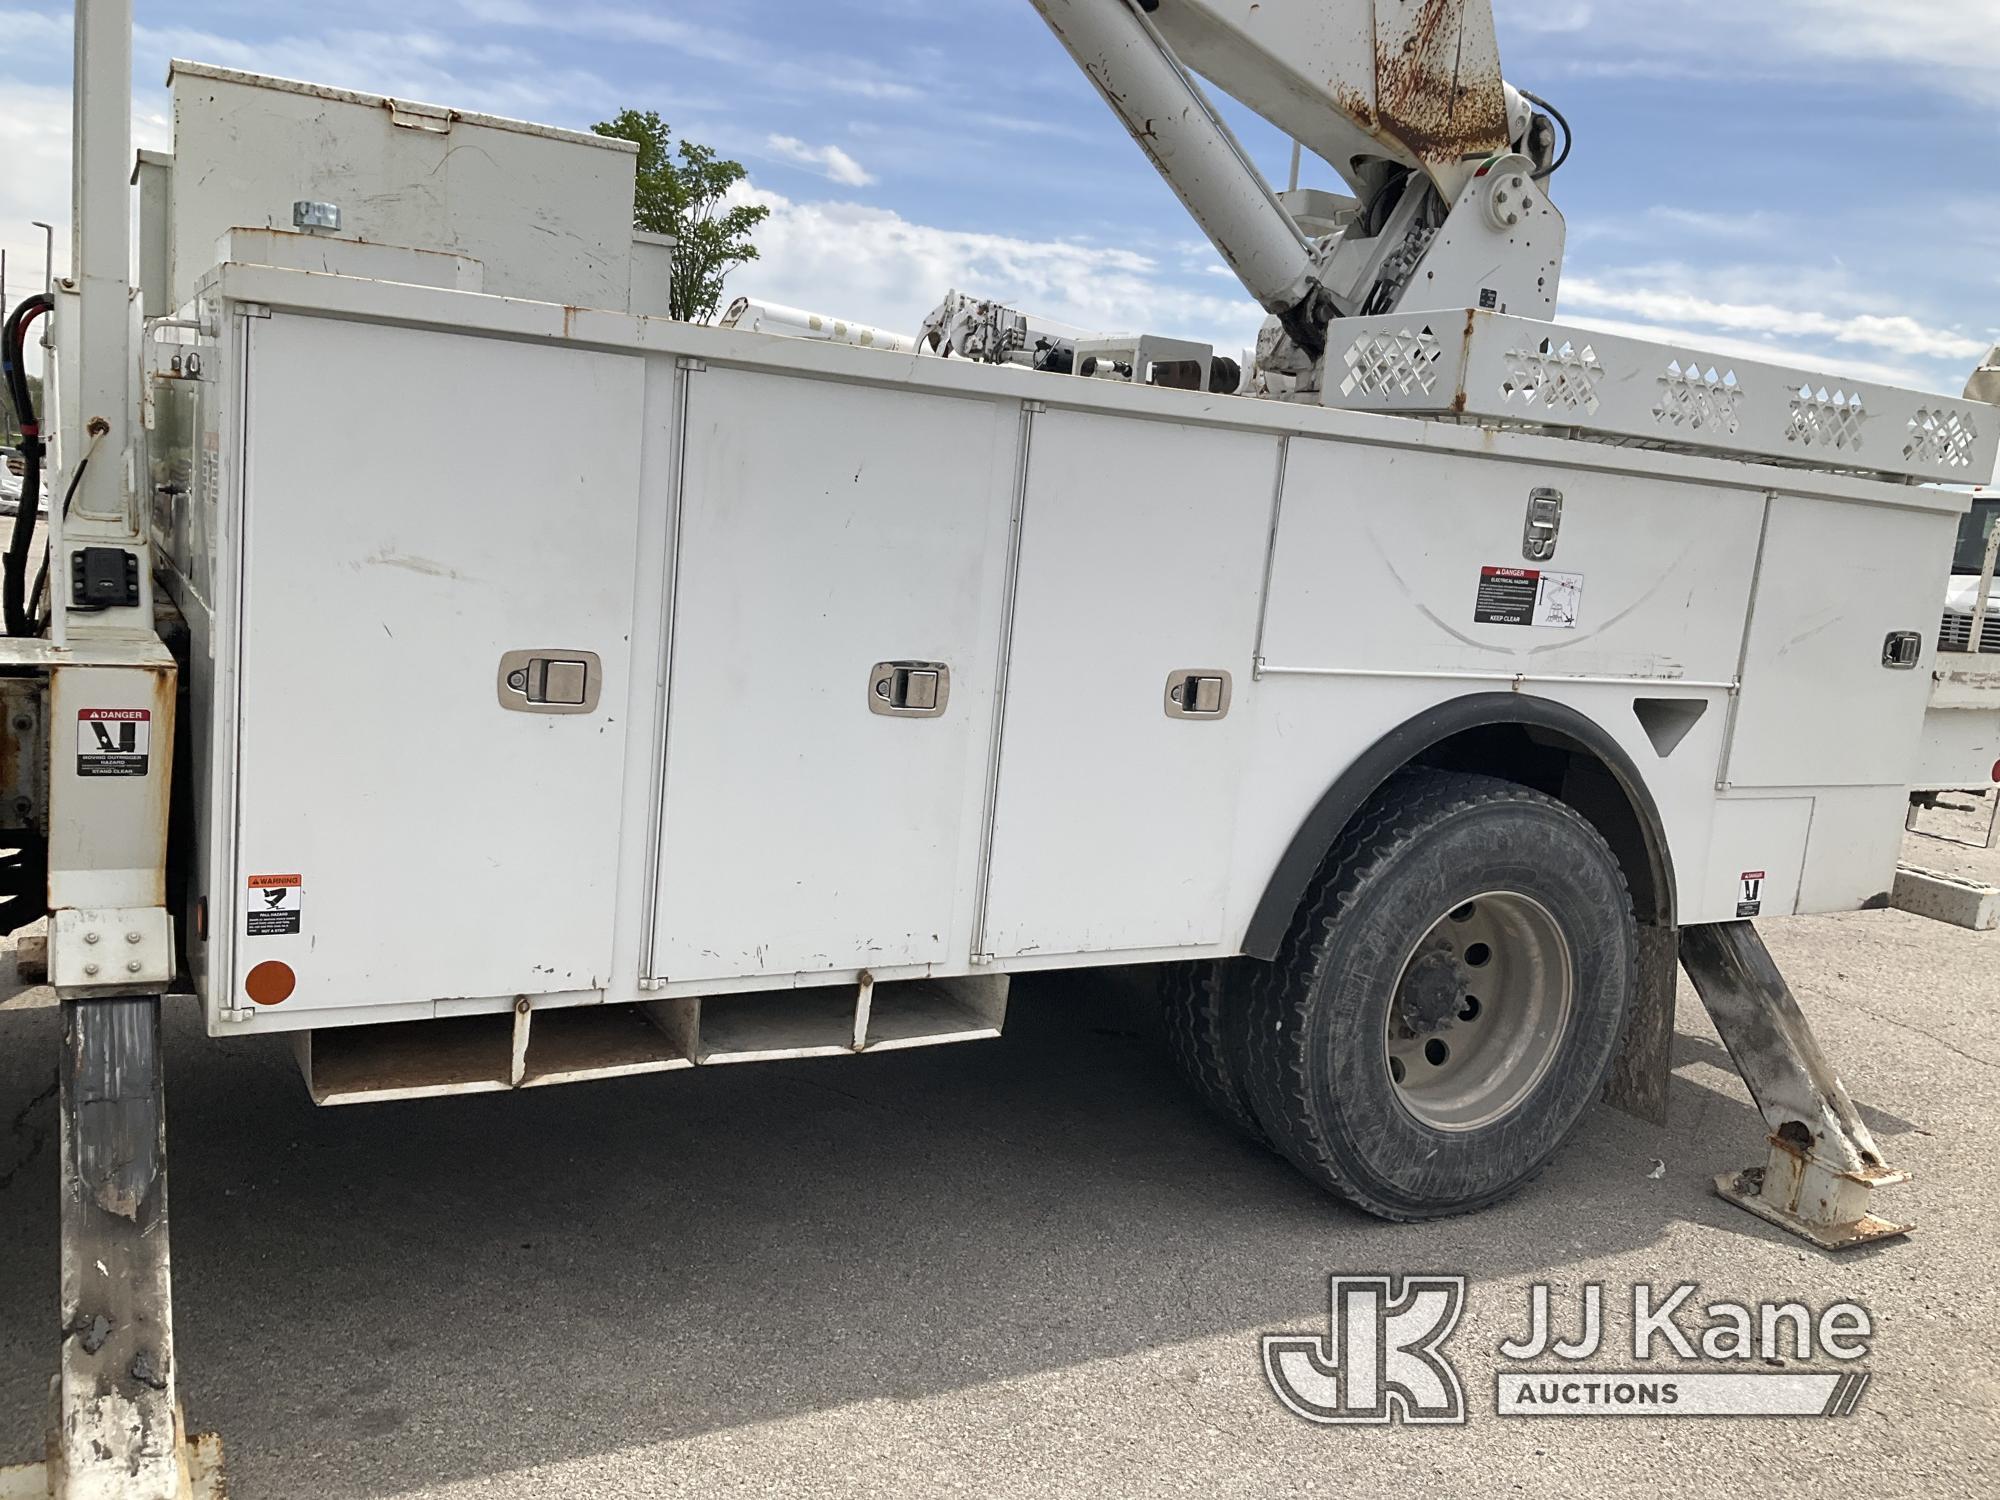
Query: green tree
684, 198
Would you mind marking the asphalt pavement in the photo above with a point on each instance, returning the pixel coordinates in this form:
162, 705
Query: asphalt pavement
1030, 1267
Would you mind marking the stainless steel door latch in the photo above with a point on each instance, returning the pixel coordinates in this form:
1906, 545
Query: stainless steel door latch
1538, 532
550, 680
1902, 650
1197, 693
909, 689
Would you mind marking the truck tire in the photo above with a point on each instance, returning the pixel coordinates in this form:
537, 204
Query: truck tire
1448, 1000
1197, 1002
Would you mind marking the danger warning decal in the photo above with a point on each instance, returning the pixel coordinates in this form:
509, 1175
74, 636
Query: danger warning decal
272, 904
1528, 596
1750, 902
113, 741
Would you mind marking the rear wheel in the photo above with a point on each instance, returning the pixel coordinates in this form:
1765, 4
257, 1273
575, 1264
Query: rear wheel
1199, 1004
1448, 1000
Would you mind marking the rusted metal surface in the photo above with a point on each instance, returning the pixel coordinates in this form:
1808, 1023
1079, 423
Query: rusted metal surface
132, 811
24, 762
1824, 1163
1425, 99
24, 801
200, 1456
118, 1430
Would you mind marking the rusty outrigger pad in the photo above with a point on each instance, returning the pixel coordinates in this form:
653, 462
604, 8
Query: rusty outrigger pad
1824, 1164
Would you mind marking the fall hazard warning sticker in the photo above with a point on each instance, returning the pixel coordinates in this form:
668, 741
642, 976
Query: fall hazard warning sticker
272, 905
1528, 596
113, 741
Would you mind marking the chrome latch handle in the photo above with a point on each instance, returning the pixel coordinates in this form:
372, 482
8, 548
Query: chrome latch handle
1538, 532
1198, 693
550, 680
909, 689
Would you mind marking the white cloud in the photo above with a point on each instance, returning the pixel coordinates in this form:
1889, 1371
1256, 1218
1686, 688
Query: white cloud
829, 161
1575, 15
422, 65
34, 144
1708, 344
1952, 45
874, 266
1892, 333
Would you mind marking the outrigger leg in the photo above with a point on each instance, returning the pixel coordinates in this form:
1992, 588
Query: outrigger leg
115, 1431
1824, 1164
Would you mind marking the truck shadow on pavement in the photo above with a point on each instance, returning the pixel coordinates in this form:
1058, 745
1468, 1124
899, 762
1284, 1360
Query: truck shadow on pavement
375, 1298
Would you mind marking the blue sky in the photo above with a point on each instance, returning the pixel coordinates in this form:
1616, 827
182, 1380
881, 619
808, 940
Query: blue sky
1811, 180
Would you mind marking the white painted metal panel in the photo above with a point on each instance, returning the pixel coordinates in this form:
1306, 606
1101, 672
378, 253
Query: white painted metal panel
1818, 707
1380, 551
1960, 749
1513, 371
546, 213
825, 528
1851, 855
1142, 553
1764, 838
401, 535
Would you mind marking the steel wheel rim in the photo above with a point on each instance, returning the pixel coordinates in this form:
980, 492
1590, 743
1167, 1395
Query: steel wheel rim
1479, 1011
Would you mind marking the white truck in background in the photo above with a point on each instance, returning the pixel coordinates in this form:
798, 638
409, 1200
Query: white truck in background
1414, 716
1961, 744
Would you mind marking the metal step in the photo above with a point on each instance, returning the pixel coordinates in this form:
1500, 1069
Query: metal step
533, 1048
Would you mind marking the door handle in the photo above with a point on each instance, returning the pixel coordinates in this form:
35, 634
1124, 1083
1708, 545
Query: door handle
1198, 693
550, 680
909, 689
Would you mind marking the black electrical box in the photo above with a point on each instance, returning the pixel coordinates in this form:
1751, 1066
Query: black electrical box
103, 577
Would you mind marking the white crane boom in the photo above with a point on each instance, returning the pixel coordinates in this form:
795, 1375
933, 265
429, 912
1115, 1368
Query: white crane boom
1405, 100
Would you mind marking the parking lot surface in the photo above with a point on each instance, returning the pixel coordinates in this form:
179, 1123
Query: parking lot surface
1016, 1268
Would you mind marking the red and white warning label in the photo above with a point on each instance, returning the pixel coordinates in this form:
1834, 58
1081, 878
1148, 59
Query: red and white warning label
113, 741
1528, 596
1750, 896
272, 905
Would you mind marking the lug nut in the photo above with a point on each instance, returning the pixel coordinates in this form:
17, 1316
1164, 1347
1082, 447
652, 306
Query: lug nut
131, 937
90, 937
133, 966
90, 969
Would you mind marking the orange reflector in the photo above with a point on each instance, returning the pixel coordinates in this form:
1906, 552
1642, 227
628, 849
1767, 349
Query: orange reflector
271, 982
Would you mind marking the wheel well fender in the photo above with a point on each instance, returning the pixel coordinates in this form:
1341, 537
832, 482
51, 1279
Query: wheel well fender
1515, 736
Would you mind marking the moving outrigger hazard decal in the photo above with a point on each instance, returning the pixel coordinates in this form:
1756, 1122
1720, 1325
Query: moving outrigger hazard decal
1750, 903
113, 741
272, 905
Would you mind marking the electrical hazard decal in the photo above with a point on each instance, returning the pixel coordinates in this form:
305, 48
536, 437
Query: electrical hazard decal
113, 741
272, 905
1750, 901
1528, 596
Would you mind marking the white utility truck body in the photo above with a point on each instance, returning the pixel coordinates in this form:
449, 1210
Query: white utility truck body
732, 532
459, 666
735, 530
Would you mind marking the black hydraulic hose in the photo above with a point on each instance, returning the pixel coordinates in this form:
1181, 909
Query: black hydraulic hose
13, 587
1569, 136
35, 615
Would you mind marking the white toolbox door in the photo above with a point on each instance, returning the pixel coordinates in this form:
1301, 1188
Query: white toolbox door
1142, 554
418, 504
1818, 706
826, 528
